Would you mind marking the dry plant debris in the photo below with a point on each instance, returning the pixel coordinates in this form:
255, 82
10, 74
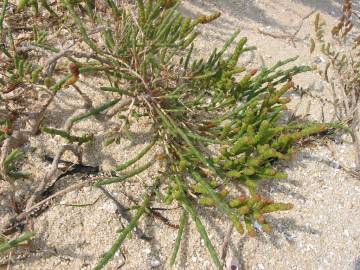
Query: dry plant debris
342, 71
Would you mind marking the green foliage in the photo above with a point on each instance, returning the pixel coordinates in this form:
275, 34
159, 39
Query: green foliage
6, 245
10, 169
183, 221
123, 234
217, 123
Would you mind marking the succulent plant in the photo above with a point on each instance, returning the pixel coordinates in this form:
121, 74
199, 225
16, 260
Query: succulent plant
217, 123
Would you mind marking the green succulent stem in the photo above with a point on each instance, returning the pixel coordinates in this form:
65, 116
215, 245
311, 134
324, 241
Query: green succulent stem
137, 157
123, 234
201, 229
183, 221
112, 180
16, 242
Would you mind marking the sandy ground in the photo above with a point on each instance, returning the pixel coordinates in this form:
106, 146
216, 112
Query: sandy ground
321, 232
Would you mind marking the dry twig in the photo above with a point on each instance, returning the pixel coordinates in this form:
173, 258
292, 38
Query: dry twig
290, 37
50, 174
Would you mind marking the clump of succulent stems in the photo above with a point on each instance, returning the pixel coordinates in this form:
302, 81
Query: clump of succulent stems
216, 122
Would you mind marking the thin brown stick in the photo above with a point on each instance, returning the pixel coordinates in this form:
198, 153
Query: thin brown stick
163, 219
70, 53
119, 106
50, 174
18, 218
290, 37
39, 117
356, 15
293, 36
88, 102
345, 168
225, 245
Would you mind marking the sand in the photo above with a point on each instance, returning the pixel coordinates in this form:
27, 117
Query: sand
321, 232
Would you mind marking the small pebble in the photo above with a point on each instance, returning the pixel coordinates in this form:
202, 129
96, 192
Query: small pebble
108, 207
319, 60
154, 263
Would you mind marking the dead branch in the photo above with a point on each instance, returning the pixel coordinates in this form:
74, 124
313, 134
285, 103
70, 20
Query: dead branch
39, 117
13, 221
289, 37
353, 173
225, 245
119, 106
50, 174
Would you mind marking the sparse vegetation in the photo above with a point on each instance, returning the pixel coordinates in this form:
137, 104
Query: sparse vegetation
342, 71
216, 125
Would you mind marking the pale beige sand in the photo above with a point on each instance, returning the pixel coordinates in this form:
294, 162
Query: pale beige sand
321, 232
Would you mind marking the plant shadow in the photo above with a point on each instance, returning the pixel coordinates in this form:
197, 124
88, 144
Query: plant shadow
357, 264
41, 251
